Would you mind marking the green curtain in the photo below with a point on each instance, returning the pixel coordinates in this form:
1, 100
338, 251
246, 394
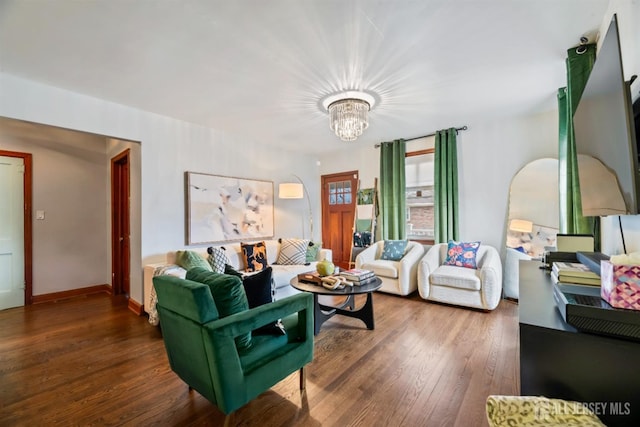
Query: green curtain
579, 67
446, 186
392, 191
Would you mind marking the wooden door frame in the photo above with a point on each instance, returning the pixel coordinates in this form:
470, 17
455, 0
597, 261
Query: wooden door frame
27, 181
117, 162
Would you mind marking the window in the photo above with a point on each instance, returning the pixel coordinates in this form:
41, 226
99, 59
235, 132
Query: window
340, 193
419, 195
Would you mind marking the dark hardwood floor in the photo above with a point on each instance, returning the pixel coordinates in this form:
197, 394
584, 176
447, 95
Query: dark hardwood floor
90, 361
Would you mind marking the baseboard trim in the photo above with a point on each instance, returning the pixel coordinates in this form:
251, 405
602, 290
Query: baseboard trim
135, 307
72, 293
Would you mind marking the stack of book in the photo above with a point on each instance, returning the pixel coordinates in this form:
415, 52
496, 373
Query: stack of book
358, 276
574, 272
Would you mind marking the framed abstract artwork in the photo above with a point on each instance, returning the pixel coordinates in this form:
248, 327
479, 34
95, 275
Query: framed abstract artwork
223, 208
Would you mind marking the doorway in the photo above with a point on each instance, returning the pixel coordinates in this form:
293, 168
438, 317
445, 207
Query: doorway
120, 224
339, 194
15, 229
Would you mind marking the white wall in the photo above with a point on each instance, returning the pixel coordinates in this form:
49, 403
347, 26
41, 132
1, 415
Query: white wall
70, 245
169, 147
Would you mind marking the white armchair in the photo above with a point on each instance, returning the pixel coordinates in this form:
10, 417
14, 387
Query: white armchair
477, 288
398, 277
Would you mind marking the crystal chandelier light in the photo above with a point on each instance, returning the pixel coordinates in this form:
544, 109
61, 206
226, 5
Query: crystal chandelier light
348, 113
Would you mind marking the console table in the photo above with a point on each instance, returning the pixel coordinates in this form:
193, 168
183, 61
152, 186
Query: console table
560, 362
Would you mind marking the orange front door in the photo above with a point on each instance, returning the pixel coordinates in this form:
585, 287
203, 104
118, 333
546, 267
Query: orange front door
339, 193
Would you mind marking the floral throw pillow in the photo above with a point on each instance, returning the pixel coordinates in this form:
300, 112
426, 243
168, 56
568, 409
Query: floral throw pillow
462, 254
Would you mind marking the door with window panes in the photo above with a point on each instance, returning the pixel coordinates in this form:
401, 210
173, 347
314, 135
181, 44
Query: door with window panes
338, 212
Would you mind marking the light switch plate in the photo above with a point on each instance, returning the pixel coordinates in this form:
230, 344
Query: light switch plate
39, 214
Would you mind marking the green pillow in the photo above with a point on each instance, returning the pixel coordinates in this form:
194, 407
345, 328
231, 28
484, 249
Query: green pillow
393, 250
228, 295
363, 225
191, 259
312, 251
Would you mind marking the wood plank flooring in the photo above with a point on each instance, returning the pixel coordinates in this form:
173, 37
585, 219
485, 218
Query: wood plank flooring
90, 361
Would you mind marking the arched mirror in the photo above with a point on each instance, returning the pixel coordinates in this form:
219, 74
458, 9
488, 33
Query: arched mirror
533, 218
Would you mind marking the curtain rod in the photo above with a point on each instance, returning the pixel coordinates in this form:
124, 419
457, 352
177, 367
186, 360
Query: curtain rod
426, 136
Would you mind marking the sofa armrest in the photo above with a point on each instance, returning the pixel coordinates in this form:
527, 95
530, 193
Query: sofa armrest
367, 255
491, 277
411, 258
150, 299
246, 321
431, 260
427, 265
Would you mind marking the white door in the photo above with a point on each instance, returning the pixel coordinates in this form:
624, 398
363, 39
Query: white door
11, 232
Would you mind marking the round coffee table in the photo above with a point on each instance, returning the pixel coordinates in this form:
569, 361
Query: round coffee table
322, 313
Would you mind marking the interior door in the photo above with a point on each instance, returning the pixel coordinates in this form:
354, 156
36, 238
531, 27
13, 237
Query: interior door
338, 211
12, 262
120, 224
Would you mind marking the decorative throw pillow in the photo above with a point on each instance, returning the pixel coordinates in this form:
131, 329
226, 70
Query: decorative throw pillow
504, 411
191, 259
228, 269
228, 295
312, 251
393, 250
462, 254
217, 258
293, 251
254, 256
259, 289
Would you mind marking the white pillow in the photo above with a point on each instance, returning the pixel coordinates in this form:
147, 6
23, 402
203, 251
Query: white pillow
293, 252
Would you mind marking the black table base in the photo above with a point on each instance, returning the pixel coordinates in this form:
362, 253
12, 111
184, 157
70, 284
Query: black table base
322, 312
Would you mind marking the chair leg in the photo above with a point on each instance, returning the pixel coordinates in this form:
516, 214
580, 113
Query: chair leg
228, 420
303, 379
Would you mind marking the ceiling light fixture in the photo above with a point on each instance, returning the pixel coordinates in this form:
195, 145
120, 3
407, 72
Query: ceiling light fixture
349, 113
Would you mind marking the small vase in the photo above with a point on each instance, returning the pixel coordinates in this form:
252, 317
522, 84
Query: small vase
325, 268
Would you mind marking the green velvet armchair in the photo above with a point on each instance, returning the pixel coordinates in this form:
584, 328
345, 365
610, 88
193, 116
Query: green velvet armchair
202, 349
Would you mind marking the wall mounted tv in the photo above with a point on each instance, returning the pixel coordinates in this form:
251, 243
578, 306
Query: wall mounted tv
604, 129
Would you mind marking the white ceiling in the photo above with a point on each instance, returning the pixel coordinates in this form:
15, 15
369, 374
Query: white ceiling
258, 69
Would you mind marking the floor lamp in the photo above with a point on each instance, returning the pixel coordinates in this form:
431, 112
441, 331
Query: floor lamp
296, 190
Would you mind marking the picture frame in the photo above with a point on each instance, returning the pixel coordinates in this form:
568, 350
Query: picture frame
224, 208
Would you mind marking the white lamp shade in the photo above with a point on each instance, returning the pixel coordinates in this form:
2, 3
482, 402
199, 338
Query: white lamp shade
521, 225
290, 190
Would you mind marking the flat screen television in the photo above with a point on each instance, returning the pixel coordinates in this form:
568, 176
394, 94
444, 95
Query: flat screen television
605, 130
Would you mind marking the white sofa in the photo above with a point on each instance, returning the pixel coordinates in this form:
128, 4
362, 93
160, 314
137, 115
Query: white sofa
398, 277
282, 274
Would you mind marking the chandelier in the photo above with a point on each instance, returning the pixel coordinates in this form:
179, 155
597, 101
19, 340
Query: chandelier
348, 113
